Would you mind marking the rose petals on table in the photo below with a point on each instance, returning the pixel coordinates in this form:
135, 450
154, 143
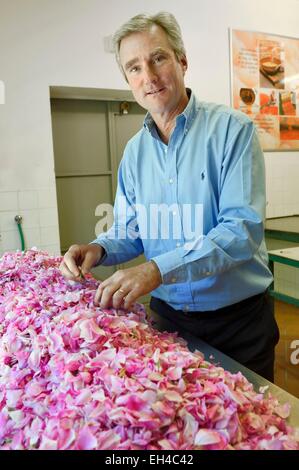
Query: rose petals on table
75, 376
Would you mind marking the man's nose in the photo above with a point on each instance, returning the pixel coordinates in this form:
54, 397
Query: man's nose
150, 74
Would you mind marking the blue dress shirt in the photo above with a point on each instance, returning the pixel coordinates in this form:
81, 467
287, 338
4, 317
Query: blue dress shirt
213, 161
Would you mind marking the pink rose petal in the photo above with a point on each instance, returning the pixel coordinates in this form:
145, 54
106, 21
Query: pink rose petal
86, 440
75, 376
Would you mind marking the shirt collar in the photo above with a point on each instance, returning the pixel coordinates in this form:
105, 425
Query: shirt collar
187, 116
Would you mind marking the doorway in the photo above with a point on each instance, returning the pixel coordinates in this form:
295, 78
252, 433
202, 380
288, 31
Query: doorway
90, 129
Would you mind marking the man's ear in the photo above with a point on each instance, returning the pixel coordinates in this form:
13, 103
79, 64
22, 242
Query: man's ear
184, 63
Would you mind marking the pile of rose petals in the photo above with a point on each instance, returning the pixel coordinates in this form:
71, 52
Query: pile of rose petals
74, 376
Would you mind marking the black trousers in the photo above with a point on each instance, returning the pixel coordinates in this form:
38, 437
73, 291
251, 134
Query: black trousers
246, 331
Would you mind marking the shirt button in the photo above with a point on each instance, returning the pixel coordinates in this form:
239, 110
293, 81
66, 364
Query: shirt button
170, 180
178, 244
174, 213
186, 308
173, 279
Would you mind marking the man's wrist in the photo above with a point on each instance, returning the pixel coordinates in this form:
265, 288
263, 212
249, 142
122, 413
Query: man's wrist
156, 269
101, 253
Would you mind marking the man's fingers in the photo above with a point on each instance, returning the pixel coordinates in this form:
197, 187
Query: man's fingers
130, 299
70, 260
124, 287
98, 295
89, 261
106, 297
66, 272
109, 295
119, 296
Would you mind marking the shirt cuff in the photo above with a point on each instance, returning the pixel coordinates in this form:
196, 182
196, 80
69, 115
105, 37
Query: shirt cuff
103, 259
171, 266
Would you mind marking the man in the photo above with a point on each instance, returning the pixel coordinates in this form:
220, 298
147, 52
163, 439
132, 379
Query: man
188, 153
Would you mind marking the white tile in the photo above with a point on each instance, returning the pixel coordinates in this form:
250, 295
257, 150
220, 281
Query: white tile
287, 198
276, 184
10, 240
27, 200
7, 221
30, 219
48, 217
47, 198
49, 235
277, 172
278, 197
285, 211
269, 186
293, 188
32, 238
278, 210
9, 201
268, 171
269, 212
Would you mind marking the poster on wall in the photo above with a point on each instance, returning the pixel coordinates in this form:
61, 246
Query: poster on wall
265, 85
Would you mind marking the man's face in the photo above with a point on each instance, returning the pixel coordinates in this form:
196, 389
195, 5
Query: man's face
153, 72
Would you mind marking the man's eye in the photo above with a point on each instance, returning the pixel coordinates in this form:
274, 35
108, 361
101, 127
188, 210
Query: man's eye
134, 69
158, 59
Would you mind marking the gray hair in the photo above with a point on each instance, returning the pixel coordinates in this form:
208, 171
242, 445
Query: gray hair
144, 22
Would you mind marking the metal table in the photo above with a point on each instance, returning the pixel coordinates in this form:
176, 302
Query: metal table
231, 365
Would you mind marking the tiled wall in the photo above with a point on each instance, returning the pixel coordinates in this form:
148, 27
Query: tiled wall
282, 184
39, 224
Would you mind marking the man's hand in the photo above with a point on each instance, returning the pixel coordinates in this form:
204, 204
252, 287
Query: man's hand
79, 259
124, 287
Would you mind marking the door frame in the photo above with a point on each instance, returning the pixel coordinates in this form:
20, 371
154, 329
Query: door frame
98, 94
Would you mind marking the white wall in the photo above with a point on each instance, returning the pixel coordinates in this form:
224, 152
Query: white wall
60, 42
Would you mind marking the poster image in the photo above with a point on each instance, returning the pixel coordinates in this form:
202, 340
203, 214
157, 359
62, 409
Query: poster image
265, 85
